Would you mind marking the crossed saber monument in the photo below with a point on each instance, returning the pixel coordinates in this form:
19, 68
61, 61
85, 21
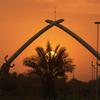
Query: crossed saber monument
7, 65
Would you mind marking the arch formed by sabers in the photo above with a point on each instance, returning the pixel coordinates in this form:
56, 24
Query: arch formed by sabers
6, 66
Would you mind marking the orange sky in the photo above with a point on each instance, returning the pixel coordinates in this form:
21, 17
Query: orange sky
21, 19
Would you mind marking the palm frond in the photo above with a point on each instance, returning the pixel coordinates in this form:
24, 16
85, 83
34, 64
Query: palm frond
30, 62
59, 73
57, 47
69, 67
48, 48
61, 52
42, 62
41, 53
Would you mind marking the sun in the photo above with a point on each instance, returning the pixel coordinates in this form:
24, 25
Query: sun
51, 54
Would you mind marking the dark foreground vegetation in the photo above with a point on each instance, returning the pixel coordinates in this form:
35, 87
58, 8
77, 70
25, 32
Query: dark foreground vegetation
29, 87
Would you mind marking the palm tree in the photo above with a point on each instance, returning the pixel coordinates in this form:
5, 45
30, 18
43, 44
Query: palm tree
50, 64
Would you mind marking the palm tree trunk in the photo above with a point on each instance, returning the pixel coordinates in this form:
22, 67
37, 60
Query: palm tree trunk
49, 86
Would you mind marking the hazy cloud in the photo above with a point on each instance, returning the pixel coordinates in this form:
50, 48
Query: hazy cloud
78, 6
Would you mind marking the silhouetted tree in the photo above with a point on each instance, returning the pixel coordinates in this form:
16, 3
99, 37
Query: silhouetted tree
50, 64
